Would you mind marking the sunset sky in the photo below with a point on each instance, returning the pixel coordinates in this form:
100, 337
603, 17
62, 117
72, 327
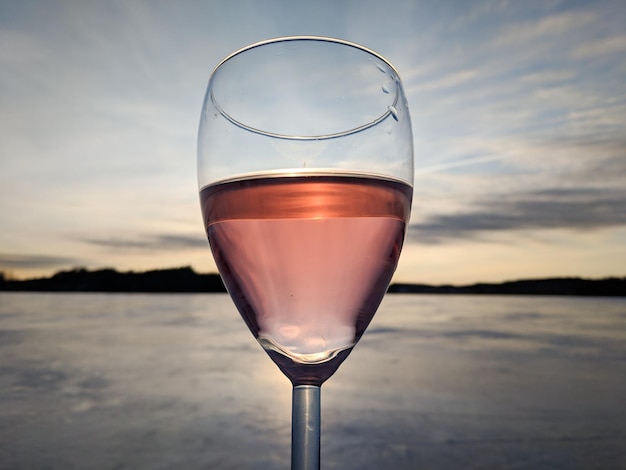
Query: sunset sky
518, 109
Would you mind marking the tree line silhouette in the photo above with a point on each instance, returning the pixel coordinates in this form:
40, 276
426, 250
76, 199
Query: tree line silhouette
185, 279
109, 280
611, 287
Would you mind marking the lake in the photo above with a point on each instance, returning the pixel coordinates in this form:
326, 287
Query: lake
133, 381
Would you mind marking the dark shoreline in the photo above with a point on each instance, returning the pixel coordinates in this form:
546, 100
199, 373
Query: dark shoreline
186, 280
610, 287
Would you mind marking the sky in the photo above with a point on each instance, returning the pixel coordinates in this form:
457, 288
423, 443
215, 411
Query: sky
518, 111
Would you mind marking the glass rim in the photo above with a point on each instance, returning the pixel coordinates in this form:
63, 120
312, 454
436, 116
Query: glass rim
391, 109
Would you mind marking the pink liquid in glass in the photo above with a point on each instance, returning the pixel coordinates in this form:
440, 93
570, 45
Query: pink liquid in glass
307, 260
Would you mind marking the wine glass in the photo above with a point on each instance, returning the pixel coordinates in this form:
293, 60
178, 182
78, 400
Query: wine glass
305, 170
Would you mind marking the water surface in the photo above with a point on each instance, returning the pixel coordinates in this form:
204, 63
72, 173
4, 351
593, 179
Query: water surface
132, 381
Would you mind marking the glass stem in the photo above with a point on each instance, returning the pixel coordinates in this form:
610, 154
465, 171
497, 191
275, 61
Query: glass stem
305, 428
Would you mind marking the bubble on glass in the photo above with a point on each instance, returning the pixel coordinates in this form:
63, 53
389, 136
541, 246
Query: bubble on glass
394, 112
385, 89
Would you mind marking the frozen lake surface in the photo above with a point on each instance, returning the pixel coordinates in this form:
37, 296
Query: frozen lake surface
131, 381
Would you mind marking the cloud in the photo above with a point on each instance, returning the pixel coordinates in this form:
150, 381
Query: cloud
561, 208
551, 26
600, 47
547, 77
574, 183
450, 80
18, 47
157, 242
23, 261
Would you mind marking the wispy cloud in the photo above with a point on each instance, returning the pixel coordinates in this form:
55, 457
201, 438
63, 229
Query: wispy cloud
161, 242
450, 80
574, 209
552, 26
547, 77
18, 47
533, 138
27, 261
600, 47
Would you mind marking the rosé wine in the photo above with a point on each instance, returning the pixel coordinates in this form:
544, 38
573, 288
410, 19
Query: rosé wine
307, 259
